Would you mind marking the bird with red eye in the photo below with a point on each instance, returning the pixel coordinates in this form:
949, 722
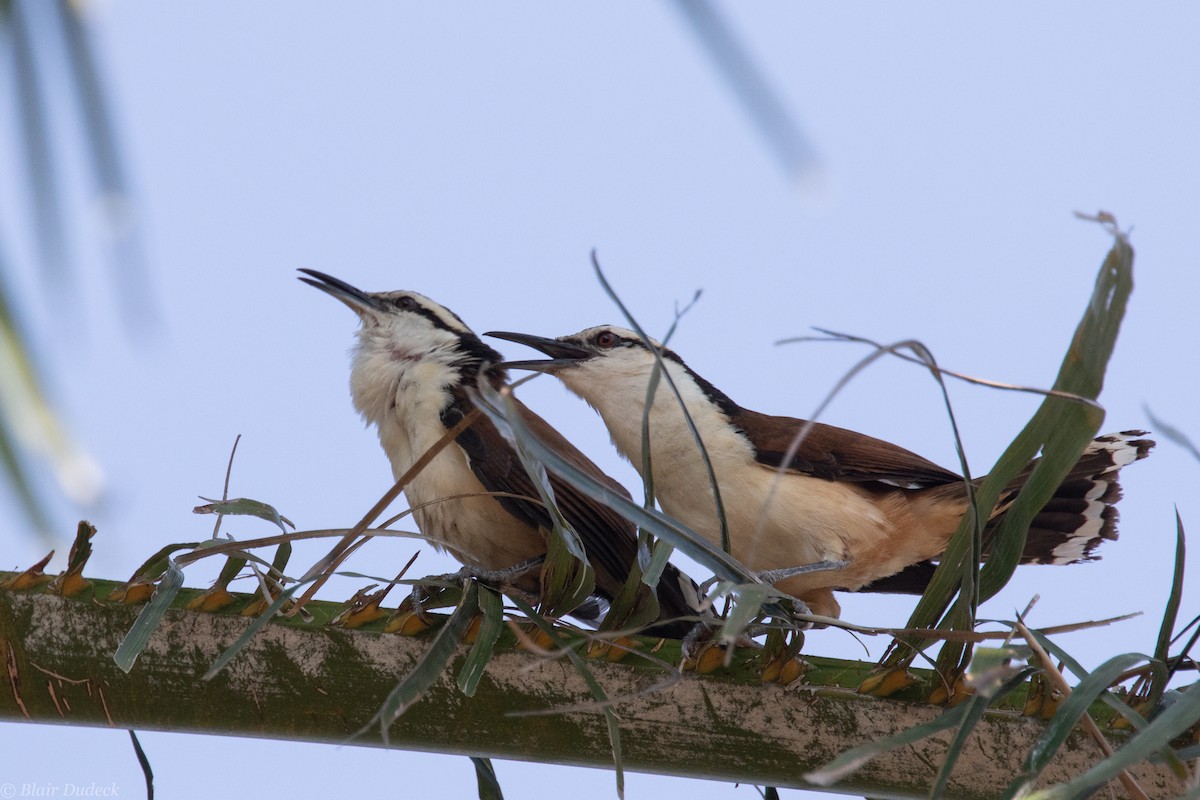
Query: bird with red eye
873, 516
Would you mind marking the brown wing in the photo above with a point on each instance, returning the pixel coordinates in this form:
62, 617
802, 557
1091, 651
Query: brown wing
609, 539
837, 454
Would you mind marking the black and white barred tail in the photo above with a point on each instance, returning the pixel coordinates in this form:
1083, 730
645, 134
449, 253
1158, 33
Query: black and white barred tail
1074, 522
1082, 513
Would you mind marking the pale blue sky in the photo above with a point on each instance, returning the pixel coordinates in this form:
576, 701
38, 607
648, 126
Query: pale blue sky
476, 153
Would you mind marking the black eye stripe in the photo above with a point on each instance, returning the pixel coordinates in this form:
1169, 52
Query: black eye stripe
667, 353
413, 305
611, 340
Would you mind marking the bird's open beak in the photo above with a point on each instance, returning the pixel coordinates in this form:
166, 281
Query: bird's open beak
562, 354
356, 298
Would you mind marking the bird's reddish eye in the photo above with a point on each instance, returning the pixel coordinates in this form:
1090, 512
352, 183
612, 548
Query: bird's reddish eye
607, 339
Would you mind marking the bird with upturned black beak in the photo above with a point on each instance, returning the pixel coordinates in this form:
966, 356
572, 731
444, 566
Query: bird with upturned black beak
843, 496
412, 366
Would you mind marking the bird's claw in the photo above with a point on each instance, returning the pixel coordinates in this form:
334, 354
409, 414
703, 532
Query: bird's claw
497, 578
699, 641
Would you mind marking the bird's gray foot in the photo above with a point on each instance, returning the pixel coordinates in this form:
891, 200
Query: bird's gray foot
501, 577
424, 595
776, 575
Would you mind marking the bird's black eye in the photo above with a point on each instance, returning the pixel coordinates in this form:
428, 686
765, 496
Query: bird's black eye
607, 340
406, 303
